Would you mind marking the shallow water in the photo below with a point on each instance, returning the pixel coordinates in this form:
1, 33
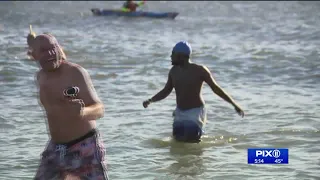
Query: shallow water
264, 54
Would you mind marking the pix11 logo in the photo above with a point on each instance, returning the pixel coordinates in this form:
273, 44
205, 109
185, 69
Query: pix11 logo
268, 156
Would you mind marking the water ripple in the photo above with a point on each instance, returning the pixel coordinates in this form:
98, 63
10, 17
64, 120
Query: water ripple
265, 55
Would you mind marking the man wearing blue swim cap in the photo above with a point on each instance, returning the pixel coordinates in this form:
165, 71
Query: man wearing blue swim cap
181, 53
187, 79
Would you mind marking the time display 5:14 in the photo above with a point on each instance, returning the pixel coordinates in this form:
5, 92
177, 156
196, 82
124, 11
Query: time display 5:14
258, 161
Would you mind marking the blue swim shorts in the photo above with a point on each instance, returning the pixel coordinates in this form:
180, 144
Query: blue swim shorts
186, 131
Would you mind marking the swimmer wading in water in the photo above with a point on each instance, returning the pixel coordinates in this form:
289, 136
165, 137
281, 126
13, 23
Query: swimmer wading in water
187, 79
72, 106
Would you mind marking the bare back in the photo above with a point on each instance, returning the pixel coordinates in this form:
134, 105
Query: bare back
63, 125
188, 82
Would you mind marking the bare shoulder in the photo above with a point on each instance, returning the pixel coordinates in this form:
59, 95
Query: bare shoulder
205, 69
76, 69
72, 66
201, 68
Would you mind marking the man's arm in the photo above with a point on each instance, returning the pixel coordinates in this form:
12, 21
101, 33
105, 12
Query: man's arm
215, 87
94, 108
165, 91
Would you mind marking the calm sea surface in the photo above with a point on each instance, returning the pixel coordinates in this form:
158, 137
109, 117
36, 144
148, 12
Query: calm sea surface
264, 54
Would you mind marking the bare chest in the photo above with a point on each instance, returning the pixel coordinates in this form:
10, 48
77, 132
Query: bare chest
51, 89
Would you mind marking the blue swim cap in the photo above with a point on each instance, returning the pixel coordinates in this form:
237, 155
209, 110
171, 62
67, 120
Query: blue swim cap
182, 47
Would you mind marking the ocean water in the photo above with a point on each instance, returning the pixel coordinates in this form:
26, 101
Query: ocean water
264, 54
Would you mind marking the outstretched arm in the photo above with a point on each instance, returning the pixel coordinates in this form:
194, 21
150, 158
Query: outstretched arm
216, 88
161, 94
165, 91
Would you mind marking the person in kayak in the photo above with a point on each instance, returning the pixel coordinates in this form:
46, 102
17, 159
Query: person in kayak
131, 6
187, 79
